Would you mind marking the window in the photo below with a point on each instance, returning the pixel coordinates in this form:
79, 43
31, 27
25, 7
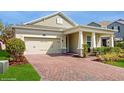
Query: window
89, 41
118, 28
112, 27
59, 21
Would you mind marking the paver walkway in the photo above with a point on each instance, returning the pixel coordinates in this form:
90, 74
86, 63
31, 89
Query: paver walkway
66, 67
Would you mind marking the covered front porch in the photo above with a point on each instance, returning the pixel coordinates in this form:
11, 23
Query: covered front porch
76, 37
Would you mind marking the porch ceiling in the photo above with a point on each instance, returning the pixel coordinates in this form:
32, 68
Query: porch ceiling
89, 29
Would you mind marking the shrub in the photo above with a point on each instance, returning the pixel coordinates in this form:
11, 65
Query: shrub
116, 50
109, 57
85, 50
121, 55
104, 50
101, 50
120, 44
15, 47
109, 53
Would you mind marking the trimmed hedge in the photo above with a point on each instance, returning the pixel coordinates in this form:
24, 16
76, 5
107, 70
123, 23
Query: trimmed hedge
104, 50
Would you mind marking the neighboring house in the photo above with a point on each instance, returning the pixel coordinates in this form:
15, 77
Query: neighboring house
119, 25
104, 23
57, 33
94, 24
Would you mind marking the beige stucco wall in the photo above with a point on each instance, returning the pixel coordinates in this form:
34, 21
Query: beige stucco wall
64, 41
73, 42
52, 22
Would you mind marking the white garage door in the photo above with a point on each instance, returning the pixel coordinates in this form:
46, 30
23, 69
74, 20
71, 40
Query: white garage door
42, 46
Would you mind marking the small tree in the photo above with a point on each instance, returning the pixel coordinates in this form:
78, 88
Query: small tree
85, 50
15, 47
7, 32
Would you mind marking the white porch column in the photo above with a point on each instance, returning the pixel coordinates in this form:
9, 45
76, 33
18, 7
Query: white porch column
67, 43
99, 41
111, 42
93, 40
80, 43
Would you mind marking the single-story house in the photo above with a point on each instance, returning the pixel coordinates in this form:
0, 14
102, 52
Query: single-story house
57, 33
2, 45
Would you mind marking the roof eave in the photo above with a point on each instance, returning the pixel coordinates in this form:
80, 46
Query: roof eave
97, 28
34, 28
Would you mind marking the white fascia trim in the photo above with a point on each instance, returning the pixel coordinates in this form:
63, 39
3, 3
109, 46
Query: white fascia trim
32, 28
41, 18
40, 36
97, 28
88, 29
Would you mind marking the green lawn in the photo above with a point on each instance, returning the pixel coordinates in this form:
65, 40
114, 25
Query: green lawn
119, 63
24, 72
4, 55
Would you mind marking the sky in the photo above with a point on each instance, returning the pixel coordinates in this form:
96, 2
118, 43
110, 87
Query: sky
80, 17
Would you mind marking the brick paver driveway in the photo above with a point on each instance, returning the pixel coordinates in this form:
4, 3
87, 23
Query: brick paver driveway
65, 67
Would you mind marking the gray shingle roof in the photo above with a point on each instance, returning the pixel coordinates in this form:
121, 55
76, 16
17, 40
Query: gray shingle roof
120, 21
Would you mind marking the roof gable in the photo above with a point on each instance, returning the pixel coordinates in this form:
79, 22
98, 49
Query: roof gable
59, 14
119, 21
104, 23
94, 24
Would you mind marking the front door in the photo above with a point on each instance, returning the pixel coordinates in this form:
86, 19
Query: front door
104, 42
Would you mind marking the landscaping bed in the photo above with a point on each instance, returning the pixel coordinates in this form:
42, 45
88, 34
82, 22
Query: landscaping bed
110, 55
22, 61
4, 55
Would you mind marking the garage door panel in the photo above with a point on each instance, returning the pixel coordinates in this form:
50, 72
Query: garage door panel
42, 46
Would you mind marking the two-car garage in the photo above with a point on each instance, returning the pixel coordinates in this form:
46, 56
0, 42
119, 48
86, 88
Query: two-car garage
35, 45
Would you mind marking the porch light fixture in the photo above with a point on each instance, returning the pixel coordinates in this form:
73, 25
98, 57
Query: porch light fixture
44, 34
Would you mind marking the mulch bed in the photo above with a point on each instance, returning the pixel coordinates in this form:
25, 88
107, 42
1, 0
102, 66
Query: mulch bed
21, 60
